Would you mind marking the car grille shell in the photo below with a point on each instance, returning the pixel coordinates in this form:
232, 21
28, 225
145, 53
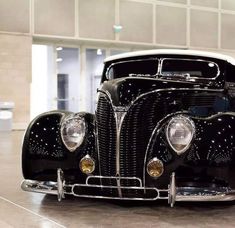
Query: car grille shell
136, 129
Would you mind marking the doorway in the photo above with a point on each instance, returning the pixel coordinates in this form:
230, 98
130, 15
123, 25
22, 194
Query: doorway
66, 77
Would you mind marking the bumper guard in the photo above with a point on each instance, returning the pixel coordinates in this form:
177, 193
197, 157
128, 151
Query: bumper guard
60, 188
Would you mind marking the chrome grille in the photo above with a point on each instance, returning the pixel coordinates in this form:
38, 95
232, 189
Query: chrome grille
136, 132
137, 127
106, 137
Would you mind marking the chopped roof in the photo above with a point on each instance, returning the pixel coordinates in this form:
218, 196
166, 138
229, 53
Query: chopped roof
173, 52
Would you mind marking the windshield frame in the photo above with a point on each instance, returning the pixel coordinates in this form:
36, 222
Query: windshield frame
159, 64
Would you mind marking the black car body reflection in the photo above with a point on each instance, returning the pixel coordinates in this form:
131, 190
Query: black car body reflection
164, 128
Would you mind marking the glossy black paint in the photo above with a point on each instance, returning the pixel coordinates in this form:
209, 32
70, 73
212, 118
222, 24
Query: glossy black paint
210, 160
43, 150
149, 104
125, 91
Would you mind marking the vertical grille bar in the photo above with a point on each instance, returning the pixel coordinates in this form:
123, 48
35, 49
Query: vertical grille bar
106, 138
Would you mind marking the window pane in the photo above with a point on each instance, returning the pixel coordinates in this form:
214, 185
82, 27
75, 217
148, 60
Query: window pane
145, 68
192, 68
68, 79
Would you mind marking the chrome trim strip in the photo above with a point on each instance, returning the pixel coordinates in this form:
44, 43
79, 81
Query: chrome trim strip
117, 187
45, 187
205, 195
174, 193
97, 145
219, 197
42, 187
119, 117
97, 138
216, 115
60, 184
111, 177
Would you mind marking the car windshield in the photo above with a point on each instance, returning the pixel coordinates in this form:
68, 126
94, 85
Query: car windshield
133, 68
189, 68
170, 67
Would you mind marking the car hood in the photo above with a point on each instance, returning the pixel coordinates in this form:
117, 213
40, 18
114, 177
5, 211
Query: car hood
124, 91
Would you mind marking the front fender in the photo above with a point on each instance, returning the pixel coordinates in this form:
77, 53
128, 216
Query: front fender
211, 154
43, 150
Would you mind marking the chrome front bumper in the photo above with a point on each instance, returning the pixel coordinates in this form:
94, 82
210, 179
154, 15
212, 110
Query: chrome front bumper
60, 188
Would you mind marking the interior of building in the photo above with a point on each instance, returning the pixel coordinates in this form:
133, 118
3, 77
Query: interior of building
51, 57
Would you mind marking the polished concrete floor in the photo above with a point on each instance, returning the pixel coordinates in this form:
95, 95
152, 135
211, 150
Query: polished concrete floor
24, 209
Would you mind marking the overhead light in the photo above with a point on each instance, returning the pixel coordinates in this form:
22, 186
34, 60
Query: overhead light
59, 49
99, 52
59, 60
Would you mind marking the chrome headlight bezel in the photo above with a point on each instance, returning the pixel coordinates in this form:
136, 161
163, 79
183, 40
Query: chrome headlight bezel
68, 125
188, 123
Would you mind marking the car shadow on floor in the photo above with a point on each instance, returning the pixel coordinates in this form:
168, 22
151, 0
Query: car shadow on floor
105, 212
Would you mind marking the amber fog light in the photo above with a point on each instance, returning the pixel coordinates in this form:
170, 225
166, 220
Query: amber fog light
87, 164
155, 167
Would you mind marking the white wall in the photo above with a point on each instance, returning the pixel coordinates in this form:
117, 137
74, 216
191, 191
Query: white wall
208, 24
39, 85
15, 75
43, 88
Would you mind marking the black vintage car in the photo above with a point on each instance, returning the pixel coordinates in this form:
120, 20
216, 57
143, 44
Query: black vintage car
164, 128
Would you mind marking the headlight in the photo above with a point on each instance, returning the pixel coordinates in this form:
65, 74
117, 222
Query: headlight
179, 132
73, 129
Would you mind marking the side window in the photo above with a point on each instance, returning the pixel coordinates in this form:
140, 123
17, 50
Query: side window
230, 83
230, 73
